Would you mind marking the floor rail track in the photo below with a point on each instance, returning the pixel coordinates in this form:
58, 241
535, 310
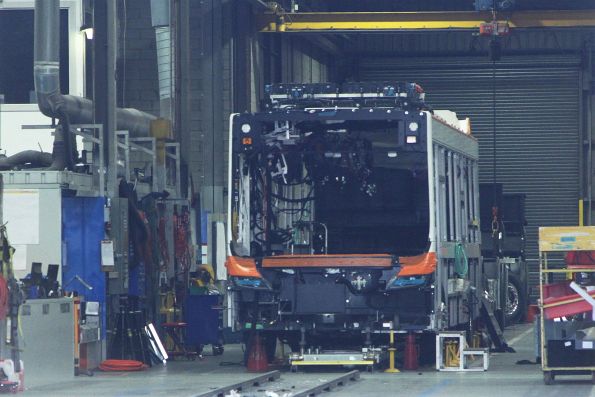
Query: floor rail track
327, 386
239, 386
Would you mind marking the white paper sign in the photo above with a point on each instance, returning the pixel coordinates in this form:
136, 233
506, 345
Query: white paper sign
21, 214
107, 253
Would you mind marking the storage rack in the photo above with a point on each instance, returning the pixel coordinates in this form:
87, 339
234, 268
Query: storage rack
562, 303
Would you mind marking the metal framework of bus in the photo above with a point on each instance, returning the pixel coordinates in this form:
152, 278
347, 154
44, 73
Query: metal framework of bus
352, 209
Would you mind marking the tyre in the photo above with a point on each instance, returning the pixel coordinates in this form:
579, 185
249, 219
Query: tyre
217, 350
548, 377
515, 300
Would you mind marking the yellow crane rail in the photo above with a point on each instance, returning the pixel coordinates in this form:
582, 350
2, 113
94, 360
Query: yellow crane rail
411, 21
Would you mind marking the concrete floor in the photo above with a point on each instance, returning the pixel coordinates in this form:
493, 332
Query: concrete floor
187, 378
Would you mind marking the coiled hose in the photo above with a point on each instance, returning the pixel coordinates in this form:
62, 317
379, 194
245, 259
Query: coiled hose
121, 365
461, 262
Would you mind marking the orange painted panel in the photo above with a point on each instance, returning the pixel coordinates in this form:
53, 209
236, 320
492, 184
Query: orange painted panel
417, 265
241, 267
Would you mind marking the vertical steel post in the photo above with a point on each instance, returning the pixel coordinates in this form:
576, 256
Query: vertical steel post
105, 85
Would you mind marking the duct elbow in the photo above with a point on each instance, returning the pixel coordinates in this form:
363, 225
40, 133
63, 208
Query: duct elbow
47, 87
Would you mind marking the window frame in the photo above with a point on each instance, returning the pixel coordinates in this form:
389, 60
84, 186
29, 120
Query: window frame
76, 43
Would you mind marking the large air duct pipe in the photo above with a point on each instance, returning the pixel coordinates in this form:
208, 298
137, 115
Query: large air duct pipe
32, 157
160, 18
46, 70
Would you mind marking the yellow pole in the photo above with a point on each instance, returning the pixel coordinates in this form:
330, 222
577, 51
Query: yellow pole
391, 354
581, 222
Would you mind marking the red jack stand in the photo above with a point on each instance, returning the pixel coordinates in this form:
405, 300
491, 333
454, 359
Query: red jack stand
257, 356
411, 353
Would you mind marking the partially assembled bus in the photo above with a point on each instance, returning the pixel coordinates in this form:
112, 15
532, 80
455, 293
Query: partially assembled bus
352, 209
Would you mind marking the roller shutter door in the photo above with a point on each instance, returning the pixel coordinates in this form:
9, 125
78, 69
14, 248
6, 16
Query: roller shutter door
537, 123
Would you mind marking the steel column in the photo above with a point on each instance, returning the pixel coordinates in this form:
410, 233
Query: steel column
212, 177
104, 83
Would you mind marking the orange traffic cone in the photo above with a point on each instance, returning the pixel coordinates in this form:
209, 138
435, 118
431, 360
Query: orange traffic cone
257, 356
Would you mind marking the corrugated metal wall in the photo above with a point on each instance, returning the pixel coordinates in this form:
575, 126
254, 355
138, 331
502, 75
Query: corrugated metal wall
302, 62
537, 124
450, 43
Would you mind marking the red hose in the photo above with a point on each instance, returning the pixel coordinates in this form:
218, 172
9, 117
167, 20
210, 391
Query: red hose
122, 365
3, 298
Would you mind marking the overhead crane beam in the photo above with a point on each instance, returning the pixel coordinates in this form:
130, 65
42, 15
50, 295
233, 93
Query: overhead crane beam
417, 21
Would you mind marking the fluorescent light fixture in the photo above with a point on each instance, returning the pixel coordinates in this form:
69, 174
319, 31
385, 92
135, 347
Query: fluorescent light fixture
155, 337
392, 155
411, 139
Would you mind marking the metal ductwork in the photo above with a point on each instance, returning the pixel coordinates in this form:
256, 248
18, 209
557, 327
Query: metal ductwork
160, 19
46, 70
32, 157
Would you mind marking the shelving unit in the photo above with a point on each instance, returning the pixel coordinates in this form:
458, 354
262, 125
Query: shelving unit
567, 308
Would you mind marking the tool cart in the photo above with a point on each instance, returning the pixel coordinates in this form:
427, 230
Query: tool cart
567, 323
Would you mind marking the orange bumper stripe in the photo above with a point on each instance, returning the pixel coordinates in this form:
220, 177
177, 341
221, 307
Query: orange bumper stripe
417, 265
241, 267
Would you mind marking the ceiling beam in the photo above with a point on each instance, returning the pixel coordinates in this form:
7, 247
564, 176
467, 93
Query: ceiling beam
258, 5
417, 21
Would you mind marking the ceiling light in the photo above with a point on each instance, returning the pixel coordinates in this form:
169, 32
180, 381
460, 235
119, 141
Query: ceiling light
88, 31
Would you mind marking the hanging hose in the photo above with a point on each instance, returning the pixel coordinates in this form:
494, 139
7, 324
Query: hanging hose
461, 262
3, 298
121, 365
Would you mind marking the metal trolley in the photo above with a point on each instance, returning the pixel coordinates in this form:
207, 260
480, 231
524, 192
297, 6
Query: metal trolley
567, 322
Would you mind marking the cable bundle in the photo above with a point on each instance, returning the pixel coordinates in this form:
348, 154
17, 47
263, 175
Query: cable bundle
121, 365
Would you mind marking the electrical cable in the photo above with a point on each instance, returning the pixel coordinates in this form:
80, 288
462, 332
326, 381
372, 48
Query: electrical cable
496, 216
495, 203
288, 200
494, 161
124, 31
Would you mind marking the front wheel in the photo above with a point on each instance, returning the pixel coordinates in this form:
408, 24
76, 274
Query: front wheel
515, 300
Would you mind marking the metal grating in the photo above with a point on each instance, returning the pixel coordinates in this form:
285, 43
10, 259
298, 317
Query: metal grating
537, 105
